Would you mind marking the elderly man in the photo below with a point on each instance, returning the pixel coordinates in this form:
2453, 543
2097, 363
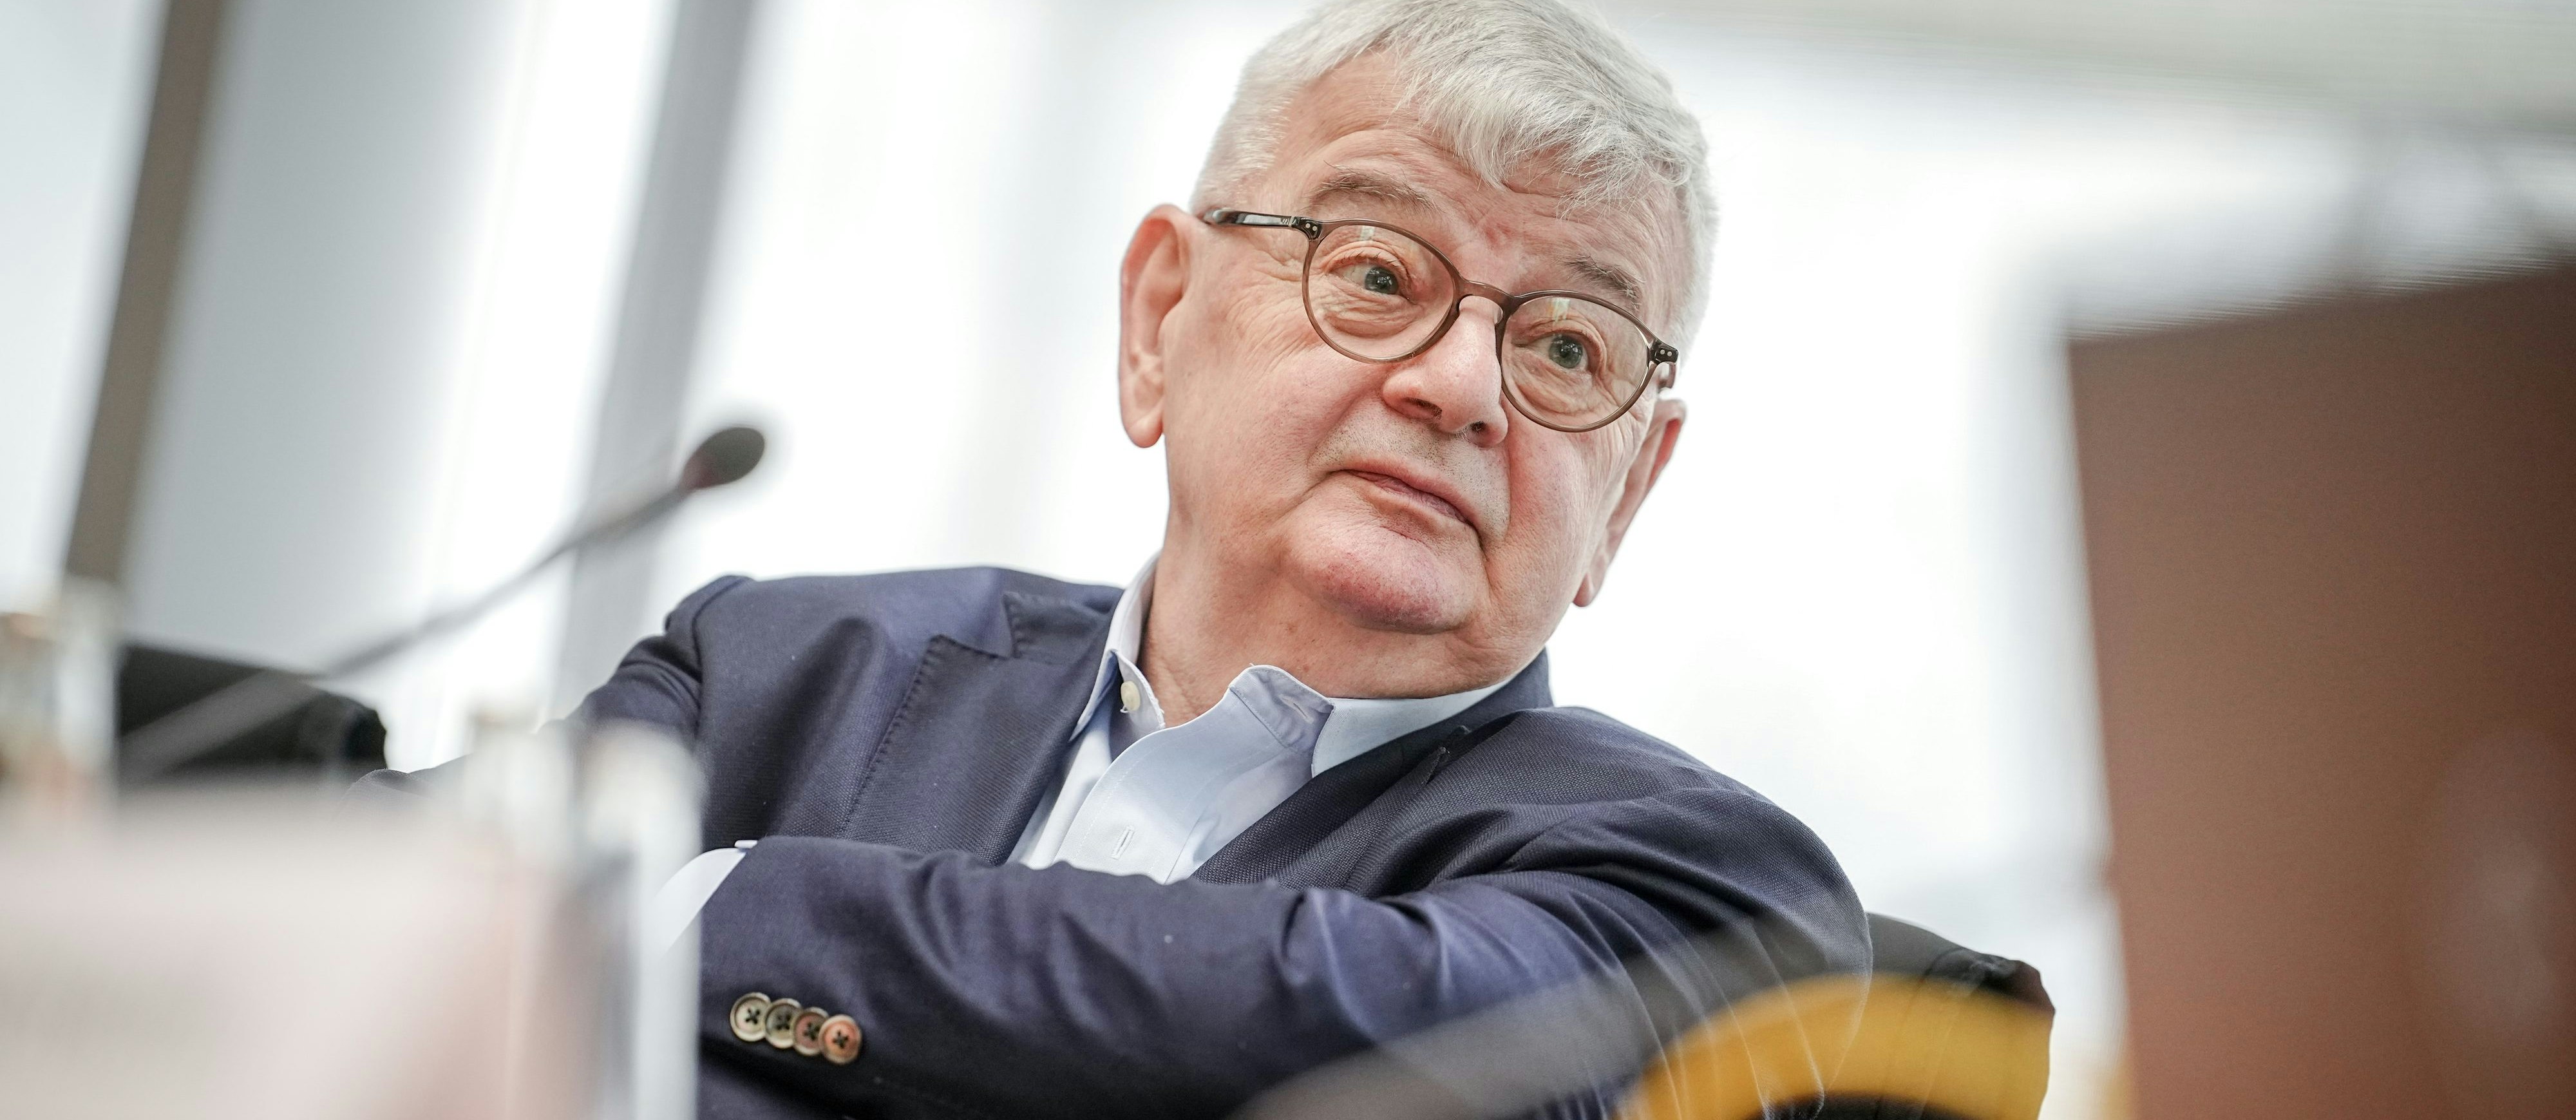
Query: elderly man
1027, 847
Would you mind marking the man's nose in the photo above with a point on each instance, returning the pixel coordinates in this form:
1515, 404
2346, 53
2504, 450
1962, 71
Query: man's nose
1457, 385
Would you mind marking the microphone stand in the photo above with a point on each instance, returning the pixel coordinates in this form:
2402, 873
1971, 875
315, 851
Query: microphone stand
171, 741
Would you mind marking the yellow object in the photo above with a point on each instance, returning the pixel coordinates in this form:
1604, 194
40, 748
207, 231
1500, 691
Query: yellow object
1963, 1050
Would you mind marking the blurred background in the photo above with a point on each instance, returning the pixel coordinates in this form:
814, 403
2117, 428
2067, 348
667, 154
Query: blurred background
446, 273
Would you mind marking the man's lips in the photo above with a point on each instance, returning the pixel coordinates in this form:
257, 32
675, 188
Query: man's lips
1400, 487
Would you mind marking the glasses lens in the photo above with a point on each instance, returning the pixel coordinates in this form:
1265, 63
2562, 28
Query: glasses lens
1376, 293
1573, 363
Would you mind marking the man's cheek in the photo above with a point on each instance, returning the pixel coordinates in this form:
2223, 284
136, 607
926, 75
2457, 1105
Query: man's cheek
1602, 462
1258, 316
1551, 501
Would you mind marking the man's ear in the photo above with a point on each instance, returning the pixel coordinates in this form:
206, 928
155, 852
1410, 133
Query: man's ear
1663, 430
1150, 283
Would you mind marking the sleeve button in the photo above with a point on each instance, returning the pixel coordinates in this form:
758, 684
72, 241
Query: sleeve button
840, 1040
781, 1023
808, 1031
751, 1017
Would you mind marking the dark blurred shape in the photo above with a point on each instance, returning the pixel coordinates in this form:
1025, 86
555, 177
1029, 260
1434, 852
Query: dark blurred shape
2333, 557
1904, 949
1937, 1031
324, 735
723, 458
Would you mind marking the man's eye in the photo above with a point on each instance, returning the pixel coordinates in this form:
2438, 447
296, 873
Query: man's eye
1377, 279
1567, 351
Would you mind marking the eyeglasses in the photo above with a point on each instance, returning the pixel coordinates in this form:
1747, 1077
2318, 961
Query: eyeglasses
1379, 294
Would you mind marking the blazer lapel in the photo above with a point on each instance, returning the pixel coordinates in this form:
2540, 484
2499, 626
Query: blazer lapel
1279, 845
979, 734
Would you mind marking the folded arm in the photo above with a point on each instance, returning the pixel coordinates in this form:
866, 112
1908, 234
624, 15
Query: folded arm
1058, 991
1005, 990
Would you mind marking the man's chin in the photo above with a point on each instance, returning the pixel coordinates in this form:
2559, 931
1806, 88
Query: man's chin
1385, 580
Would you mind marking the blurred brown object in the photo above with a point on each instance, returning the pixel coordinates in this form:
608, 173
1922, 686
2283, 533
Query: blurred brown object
2333, 564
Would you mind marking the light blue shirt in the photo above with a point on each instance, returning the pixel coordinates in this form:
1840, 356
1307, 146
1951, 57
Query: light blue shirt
1139, 798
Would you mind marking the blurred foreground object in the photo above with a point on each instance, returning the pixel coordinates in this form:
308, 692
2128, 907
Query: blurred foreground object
1936, 1031
1926, 1049
57, 706
256, 958
267, 953
1942, 1032
2333, 561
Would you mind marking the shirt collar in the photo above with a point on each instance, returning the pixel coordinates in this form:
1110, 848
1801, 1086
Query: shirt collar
1126, 645
1350, 727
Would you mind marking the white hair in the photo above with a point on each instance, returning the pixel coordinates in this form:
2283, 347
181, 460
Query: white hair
1498, 82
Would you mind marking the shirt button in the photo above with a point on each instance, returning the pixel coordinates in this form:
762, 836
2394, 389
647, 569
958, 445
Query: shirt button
1130, 697
809, 1031
751, 1017
781, 1023
841, 1039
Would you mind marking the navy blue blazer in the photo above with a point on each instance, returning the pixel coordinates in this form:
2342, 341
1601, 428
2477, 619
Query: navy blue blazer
887, 737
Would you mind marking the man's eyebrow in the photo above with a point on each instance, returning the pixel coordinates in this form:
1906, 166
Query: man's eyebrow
1619, 282
1345, 183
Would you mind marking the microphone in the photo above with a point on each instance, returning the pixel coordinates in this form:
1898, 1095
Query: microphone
721, 459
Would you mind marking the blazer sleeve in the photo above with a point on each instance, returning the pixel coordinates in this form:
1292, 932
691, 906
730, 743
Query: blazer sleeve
657, 682
984, 990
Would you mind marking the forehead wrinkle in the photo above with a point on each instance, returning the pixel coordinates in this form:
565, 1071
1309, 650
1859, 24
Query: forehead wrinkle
1352, 183
1618, 280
